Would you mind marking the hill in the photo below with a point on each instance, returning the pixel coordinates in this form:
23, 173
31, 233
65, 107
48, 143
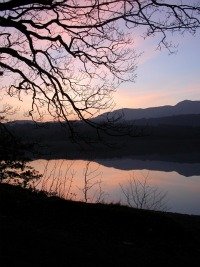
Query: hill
181, 108
192, 120
155, 136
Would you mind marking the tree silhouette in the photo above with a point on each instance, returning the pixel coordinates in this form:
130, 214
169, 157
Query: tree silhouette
13, 162
141, 195
71, 55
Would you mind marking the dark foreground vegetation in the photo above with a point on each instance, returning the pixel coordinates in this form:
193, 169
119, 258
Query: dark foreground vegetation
37, 230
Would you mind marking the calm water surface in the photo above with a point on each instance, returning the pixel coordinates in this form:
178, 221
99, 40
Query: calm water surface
106, 179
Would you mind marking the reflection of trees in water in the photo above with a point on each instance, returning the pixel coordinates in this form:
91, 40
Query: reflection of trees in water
140, 194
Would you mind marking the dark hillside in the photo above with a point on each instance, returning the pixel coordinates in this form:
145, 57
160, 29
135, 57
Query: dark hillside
170, 135
40, 231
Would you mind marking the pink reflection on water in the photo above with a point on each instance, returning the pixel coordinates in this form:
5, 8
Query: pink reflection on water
103, 184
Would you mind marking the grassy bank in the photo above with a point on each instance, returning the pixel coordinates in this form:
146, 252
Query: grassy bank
36, 230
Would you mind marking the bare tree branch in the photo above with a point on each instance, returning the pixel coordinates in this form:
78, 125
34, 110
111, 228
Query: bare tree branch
70, 56
141, 195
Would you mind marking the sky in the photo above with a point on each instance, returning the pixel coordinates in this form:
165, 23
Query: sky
163, 78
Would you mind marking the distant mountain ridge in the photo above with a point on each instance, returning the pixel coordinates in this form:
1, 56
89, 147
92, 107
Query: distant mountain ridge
192, 120
185, 107
186, 112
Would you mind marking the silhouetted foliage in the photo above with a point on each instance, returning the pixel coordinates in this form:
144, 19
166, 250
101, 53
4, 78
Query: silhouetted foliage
13, 162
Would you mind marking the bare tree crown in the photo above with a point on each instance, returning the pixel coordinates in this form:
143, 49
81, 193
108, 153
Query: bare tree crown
70, 55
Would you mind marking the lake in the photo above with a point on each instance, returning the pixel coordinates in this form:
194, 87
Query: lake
159, 185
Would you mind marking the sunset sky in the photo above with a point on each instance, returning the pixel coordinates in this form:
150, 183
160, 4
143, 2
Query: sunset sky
162, 79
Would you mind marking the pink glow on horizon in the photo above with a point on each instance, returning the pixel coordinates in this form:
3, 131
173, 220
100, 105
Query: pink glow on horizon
123, 98
138, 99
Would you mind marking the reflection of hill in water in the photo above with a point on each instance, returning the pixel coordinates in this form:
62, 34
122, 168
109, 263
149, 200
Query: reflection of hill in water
184, 168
